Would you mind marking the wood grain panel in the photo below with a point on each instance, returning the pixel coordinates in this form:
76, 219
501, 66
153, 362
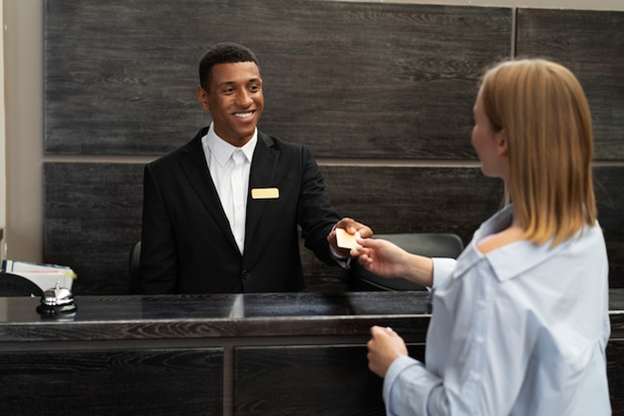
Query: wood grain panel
591, 44
93, 214
112, 360
456, 200
400, 199
92, 217
306, 381
147, 382
396, 199
609, 189
336, 381
346, 78
615, 374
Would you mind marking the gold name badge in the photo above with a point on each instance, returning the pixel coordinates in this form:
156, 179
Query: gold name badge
265, 193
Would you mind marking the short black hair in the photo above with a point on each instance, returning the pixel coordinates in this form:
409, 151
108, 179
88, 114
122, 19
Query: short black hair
223, 53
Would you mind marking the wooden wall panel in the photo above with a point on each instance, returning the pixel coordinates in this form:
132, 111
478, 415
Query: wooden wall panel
615, 373
400, 199
306, 381
346, 78
609, 189
591, 44
456, 200
92, 217
149, 382
93, 214
351, 80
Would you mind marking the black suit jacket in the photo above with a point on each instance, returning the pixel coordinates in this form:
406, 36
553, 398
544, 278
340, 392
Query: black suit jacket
187, 243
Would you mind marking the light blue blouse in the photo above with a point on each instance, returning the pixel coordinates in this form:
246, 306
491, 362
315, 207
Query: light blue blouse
521, 330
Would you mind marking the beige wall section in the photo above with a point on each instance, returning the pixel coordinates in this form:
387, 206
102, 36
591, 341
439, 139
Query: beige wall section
23, 71
2, 142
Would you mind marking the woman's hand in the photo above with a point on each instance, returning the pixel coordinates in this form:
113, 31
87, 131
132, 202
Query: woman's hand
384, 347
380, 257
385, 259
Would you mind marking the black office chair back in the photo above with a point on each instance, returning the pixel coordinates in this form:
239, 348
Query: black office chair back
12, 285
133, 266
426, 244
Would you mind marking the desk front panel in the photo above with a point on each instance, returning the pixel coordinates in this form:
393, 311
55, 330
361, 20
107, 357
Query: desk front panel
167, 382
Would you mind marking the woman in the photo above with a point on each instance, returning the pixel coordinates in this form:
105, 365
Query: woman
520, 321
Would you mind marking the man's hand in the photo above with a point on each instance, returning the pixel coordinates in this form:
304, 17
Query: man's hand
350, 226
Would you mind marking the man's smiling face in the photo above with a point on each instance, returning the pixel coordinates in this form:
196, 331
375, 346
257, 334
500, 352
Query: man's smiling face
235, 100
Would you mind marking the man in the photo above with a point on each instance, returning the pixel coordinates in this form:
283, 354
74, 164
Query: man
220, 214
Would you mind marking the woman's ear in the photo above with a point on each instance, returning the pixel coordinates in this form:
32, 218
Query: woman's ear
202, 97
501, 142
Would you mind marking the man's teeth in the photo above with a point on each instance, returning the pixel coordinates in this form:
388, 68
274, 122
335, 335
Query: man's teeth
243, 115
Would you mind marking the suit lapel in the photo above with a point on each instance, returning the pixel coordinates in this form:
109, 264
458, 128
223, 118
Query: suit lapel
261, 175
193, 163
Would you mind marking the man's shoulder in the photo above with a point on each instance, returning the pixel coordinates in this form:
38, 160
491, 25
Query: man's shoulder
276, 143
189, 147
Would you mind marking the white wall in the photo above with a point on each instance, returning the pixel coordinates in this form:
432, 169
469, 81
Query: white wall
23, 73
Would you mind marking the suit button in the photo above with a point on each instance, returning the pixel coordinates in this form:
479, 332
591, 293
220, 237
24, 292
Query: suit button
246, 274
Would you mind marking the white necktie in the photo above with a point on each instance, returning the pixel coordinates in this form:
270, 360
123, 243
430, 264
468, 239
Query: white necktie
239, 198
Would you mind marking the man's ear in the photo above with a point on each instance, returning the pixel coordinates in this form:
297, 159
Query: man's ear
202, 97
501, 142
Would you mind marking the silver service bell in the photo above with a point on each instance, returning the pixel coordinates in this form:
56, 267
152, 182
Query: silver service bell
57, 300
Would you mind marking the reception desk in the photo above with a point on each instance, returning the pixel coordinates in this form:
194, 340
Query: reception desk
253, 354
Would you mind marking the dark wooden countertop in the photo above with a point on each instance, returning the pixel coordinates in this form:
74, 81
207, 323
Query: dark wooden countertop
234, 354
230, 315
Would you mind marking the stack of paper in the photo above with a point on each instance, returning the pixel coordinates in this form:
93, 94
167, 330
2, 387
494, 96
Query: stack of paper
46, 276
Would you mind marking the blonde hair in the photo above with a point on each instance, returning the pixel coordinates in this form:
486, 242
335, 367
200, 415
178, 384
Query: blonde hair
544, 111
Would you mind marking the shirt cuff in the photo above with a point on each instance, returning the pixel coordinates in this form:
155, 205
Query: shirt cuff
342, 262
442, 270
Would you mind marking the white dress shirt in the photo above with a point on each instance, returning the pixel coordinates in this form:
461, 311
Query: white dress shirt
521, 330
230, 179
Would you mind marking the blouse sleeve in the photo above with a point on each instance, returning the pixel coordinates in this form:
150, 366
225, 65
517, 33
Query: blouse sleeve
409, 389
